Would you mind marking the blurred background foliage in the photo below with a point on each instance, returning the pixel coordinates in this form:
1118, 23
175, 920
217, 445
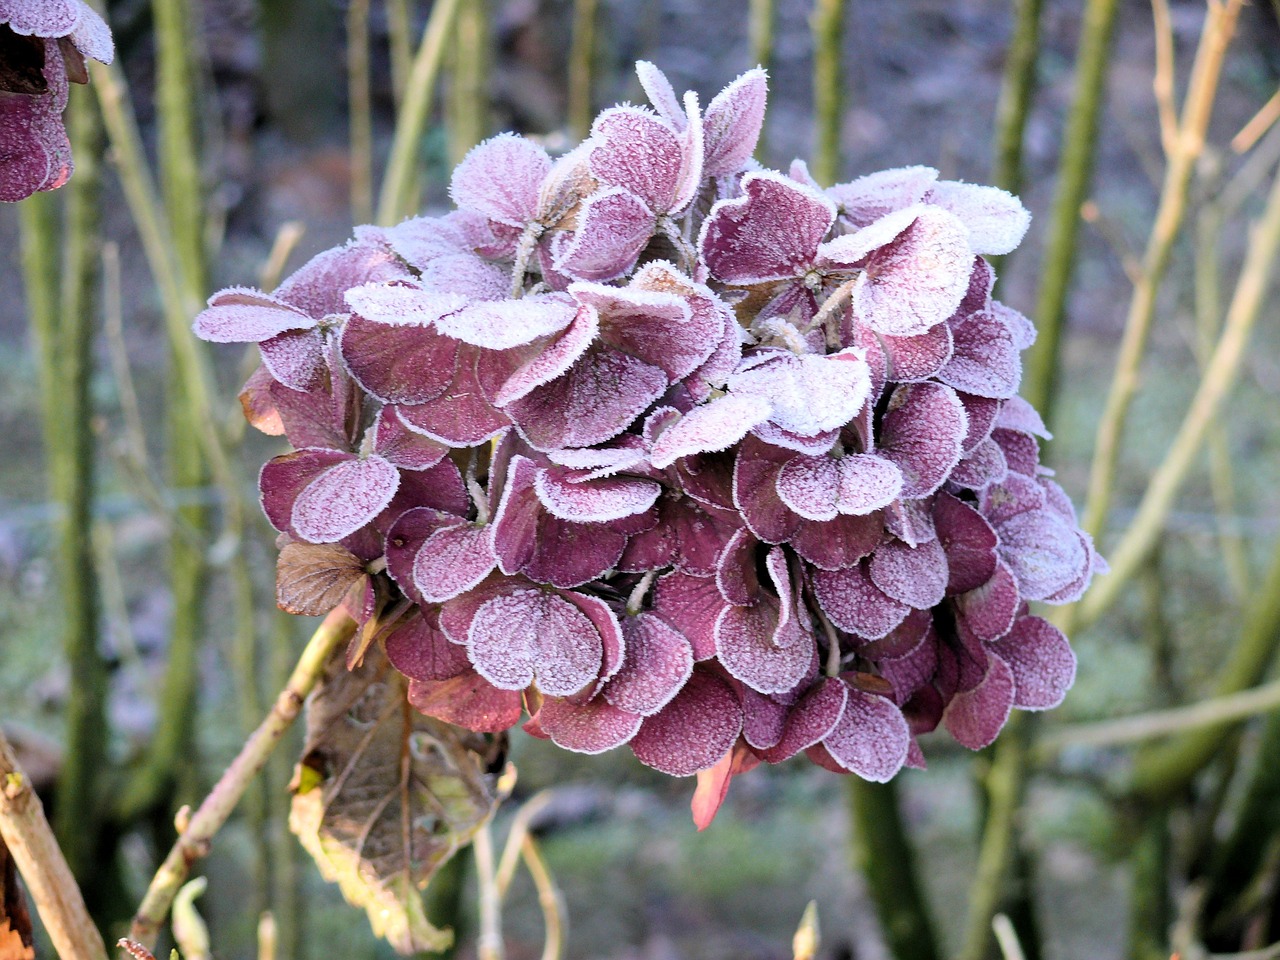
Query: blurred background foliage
138, 638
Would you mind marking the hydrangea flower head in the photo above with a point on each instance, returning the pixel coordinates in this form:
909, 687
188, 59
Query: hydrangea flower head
43, 46
648, 446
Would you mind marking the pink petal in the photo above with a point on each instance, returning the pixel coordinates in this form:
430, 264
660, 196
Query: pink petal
463, 416
528, 634
467, 700
811, 719
592, 727
736, 576
914, 575
1020, 328
974, 717
871, 738
982, 413
983, 465
659, 661
852, 249
40, 18
502, 324
921, 433
1044, 552
398, 364
902, 640
869, 198
405, 538
911, 521
593, 501
553, 360
839, 543
420, 651
769, 646
600, 396
614, 226
918, 280
996, 220
468, 275
919, 357
245, 315
344, 498
660, 93
655, 325
771, 233
855, 604
320, 285
714, 426
733, 123
691, 605
500, 179
403, 303
394, 441
283, 478
989, 610
968, 541
985, 360
454, 560
295, 358
693, 731
645, 155
1042, 663
808, 394
1017, 414
755, 493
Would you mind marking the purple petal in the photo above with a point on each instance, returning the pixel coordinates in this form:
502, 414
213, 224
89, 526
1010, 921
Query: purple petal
600, 396
454, 560
733, 123
553, 360
989, 610
1020, 328
855, 604
593, 501
690, 605
394, 441
403, 303
659, 661
974, 717
245, 315
996, 220
985, 360
1044, 551
660, 93
645, 155
755, 492
694, 730
918, 280
913, 575
852, 249
919, 357
344, 498
839, 543
768, 647
771, 233
467, 700
911, 521
736, 576
808, 394
405, 538
528, 633
1041, 661
398, 364
713, 426
420, 651
502, 324
655, 325
867, 199
592, 727
614, 226
982, 413
902, 640
968, 541
33, 140
319, 286
983, 465
500, 179
1017, 414
463, 416
295, 358
811, 719
871, 738
922, 433
283, 478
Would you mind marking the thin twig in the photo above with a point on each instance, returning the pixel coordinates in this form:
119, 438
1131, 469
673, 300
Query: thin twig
1007, 938
1162, 82
1017, 89
553, 912
761, 16
827, 22
193, 843
489, 941
515, 838
398, 186
1254, 130
29, 839
581, 59
360, 111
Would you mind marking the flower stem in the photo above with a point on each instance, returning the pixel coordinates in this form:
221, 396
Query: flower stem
761, 14
360, 111
827, 22
26, 833
193, 842
581, 58
1017, 89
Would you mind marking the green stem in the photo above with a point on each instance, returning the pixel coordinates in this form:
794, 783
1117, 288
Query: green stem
883, 854
1017, 90
398, 25
760, 29
1005, 785
1074, 173
360, 111
1162, 772
1149, 912
468, 119
283, 852
1187, 147
581, 59
827, 21
1220, 375
398, 188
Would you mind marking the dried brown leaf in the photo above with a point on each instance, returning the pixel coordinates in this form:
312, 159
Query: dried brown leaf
15, 921
384, 796
312, 578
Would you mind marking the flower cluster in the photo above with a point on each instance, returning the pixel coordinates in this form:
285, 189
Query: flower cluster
671, 451
43, 46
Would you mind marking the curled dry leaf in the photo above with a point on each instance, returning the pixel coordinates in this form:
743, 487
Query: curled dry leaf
312, 578
384, 796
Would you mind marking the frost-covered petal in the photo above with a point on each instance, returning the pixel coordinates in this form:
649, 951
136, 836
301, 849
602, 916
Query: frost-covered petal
985, 360
319, 286
454, 560
405, 538
394, 441
691, 605
733, 122
852, 249
974, 717
344, 498
644, 154
245, 315
420, 651
913, 575
981, 413
771, 232
502, 324
554, 359
838, 543
614, 226
467, 700
855, 604
1020, 328
654, 325
594, 501
922, 433
283, 478
871, 738
660, 93
33, 141
968, 541
526, 634
1041, 661
1044, 552
500, 178
592, 727
296, 358
769, 646
918, 280
693, 731
755, 491
600, 396
808, 394
919, 357
713, 426
983, 465
398, 364
1017, 414
403, 303
810, 720
659, 661
990, 609
996, 219
819, 488
868, 198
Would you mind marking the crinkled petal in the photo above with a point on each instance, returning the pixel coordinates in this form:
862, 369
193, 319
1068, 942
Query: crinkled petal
717, 425
554, 359
808, 394
996, 219
1042, 663
922, 433
529, 633
868, 198
614, 226
985, 361
769, 646
853, 602
343, 499
500, 178
916, 576
659, 661
694, 730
